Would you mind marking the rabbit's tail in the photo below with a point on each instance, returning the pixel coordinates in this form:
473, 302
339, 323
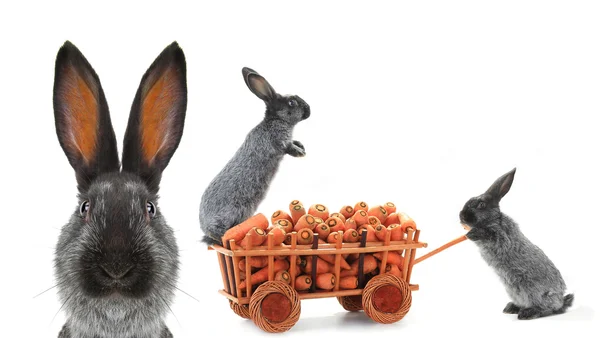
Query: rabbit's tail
567, 302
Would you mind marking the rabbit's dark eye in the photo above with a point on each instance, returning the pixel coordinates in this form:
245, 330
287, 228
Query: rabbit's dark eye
481, 205
292, 103
83, 209
151, 209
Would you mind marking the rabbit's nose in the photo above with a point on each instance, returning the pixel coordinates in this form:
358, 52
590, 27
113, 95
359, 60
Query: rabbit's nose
306, 112
116, 271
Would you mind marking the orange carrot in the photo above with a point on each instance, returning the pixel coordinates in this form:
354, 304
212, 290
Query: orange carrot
319, 210
370, 233
361, 217
278, 235
374, 221
369, 264
351, 236
305, 236
283, 276
380, 232
390, 208
331, 260
347, 211
286, 225
333, 237
306, 264
294, 203
393, 269
349, 282
305, 221
303, 283
397, 234
297, 211
406, 222
280, 214
338, 215
351, 258
326, 281
319, 220
238, 232
288, 239
335, 224
255, 237
255, 262
392, 218
350, 224
323, 231
379, 212
262, 275
393, 258
361, 206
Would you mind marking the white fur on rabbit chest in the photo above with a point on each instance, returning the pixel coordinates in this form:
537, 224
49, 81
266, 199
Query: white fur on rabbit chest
113, 320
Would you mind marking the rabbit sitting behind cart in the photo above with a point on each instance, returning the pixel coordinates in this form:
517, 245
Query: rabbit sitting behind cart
235, 193
534, 284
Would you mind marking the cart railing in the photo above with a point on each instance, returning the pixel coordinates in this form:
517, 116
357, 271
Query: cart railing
231, 254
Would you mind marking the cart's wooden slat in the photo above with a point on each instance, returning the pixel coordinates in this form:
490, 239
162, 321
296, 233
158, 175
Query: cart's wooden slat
236, 271
271, 257
248, 267
338, 261
384, 258
347, 248
313, 272
222, 263
292, 250
361, 260
288, 251
230, 273
412, 258
407, 253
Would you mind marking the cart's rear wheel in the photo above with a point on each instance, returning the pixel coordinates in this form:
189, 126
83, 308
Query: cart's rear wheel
275, 307
387, 298
241, 310
351, 303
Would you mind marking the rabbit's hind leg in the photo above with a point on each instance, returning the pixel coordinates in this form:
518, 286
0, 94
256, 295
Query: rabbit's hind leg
530, 313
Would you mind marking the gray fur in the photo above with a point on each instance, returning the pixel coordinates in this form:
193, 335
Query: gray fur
533, 283
116, 261
235, 193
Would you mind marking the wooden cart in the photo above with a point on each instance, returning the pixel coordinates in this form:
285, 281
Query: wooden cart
274, 306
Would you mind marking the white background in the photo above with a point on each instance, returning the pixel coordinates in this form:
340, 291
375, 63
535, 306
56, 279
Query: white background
424, 104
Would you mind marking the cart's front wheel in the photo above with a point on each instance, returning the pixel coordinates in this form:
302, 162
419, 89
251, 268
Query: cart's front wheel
387, 298
275, 306
241, 310
351, 303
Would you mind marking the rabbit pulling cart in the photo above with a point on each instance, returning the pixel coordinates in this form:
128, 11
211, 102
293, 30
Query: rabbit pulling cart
274, 305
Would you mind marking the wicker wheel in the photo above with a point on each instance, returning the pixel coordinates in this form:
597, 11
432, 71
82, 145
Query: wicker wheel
241, 310
351, 303
387, 298
275, 307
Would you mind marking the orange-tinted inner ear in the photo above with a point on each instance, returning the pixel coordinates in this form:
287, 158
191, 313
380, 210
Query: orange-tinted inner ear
81, 115
156, 109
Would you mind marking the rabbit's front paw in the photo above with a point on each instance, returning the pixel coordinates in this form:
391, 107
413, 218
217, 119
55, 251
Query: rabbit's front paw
511, 308
296, 149
529, 313
478, 234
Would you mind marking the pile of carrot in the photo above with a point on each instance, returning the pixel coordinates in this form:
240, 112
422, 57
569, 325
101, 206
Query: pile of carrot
317, 221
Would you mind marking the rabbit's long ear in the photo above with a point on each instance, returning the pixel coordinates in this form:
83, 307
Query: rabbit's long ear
258, 85
502, 185
157, 116
82, 118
